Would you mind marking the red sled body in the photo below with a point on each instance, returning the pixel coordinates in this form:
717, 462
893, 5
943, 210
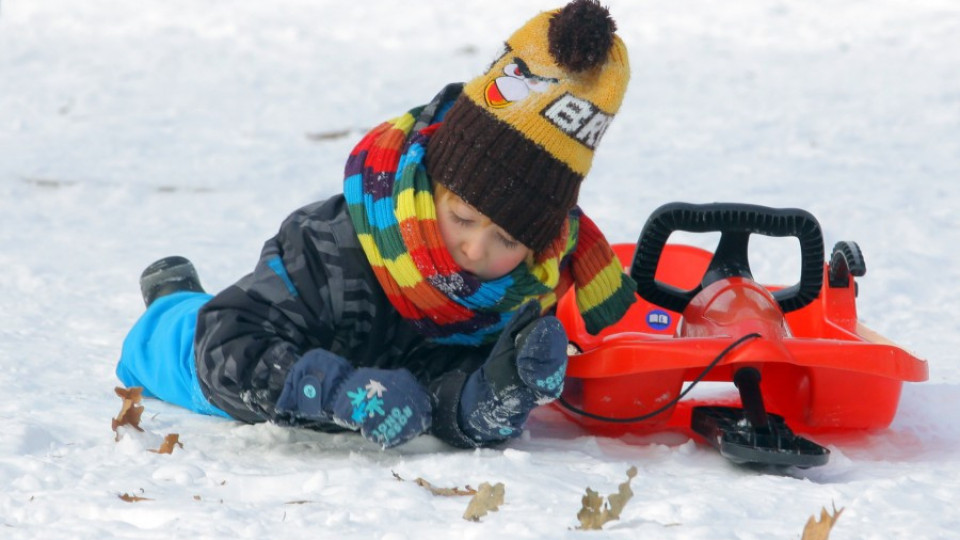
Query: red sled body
818, 368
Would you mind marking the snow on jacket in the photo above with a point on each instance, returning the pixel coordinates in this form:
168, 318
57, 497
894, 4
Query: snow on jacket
313, 288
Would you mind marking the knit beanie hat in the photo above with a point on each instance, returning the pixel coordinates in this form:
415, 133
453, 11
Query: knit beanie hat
520, 138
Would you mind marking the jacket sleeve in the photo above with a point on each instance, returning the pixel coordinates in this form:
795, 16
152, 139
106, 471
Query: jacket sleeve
249, 335
445, 392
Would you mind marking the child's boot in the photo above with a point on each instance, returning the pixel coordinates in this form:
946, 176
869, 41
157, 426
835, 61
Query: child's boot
167, 276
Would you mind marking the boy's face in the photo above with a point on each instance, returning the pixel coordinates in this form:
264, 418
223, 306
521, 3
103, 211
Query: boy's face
477, 244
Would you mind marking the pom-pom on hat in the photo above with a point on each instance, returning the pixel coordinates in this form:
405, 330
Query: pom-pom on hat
520, 138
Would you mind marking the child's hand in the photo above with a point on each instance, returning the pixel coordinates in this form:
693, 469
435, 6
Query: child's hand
532, 348
525, 368
542, 357
388, 406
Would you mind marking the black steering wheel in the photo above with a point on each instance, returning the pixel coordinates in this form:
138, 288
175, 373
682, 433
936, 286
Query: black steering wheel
735, 222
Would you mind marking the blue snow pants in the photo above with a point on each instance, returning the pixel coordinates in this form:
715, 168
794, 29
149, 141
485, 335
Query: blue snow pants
158, 353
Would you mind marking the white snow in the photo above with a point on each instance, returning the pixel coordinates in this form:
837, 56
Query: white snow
134, 130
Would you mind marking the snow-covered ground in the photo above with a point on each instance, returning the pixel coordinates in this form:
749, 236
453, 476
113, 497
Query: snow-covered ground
134, 130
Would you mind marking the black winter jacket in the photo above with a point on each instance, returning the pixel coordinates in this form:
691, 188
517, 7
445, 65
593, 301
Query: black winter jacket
313, 288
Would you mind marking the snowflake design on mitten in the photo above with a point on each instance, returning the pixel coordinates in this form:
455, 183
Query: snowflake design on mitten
367, 401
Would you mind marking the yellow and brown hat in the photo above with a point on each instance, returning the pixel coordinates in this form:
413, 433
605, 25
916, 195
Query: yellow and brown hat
520, 138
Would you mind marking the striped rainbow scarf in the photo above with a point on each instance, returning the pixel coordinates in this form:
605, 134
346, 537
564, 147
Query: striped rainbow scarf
390, 201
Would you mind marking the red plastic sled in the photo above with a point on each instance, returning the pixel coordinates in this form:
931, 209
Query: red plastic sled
798, 352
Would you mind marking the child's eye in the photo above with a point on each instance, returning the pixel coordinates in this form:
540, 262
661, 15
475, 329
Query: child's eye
507, 243
460, 220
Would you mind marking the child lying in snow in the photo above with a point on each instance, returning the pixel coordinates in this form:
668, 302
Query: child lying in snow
417, 301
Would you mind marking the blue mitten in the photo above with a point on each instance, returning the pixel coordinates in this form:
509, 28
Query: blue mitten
542, 358
389, 407
525, 369
310, 386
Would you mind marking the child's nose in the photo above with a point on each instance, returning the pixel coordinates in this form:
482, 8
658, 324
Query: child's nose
473, 247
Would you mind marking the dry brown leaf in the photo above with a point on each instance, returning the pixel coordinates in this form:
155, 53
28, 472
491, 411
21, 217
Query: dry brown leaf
169, 442
126, 497
328, 135
445, 492
130, 410
820, 530
442, 492
487, 499
595, 512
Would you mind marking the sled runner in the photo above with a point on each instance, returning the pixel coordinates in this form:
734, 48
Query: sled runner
797, 355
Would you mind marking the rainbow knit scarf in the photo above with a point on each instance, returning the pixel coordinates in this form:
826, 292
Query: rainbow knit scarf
390, 201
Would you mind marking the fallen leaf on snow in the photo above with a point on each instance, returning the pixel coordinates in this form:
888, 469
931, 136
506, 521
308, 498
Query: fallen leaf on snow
820, 530
595, 512
328, 135
442, 492
130, 410
487, 499
169, 442
126, 497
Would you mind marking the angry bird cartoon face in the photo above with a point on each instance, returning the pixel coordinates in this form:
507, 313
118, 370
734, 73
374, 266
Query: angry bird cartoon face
515, 84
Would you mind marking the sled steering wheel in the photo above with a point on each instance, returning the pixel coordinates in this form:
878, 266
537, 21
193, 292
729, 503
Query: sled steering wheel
735, 222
